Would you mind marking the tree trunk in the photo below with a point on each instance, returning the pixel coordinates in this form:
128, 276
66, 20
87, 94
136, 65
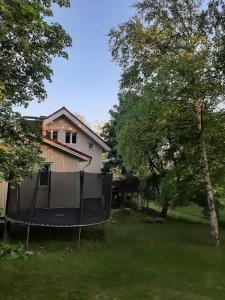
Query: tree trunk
164, 210
214, 232
153, 171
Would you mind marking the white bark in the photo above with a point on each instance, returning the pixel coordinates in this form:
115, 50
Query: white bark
214, 231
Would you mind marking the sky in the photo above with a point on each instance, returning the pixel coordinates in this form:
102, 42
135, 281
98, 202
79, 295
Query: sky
88, 82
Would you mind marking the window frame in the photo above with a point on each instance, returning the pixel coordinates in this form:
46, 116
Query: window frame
57, 135
71, 134
90, 146
66, 135
52, 134
48, 176
48, 134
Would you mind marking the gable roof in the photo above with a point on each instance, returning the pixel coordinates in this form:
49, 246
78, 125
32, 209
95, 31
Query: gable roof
83, 127
71, 151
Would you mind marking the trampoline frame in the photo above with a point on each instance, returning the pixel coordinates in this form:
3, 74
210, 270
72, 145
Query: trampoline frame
30, 224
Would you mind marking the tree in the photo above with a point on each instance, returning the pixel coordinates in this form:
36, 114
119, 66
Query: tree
153, 138
19, 146
28, 42
115, 161
186, 40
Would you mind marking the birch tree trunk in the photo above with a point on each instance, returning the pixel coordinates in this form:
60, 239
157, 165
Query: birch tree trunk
214, 232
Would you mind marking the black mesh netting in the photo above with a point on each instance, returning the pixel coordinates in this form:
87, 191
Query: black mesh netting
65, 199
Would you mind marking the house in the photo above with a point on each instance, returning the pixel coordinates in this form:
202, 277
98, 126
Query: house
69, 145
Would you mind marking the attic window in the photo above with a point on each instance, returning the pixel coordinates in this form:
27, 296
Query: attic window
74, 138
70, 137
67, 137
48, 134
52, 135
55, 135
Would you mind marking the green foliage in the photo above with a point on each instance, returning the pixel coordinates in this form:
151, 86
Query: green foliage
13, 251
171, 55
20, 146
28, 42
168, 190
115, 161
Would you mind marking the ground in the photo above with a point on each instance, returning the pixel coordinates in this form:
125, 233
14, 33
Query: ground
134, 261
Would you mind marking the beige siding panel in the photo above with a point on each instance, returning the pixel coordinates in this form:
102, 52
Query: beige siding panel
60, 124
3, 196
60, 162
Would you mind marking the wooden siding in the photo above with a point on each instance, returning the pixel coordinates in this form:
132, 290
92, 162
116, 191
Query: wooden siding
60, 161
62, 125
3, 196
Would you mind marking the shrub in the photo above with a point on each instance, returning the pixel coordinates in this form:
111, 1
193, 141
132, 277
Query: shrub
14, 251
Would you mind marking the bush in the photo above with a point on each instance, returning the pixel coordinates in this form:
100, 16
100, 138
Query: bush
14, 251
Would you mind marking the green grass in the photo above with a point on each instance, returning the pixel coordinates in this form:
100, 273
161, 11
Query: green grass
189, 213
135, 261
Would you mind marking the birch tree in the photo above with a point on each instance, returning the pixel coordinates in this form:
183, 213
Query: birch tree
187, 39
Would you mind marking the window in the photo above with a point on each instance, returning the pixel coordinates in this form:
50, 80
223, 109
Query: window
91, 146
74, 138
55, 135
48, 134
52, 135
70, 137
44, 176
67, 137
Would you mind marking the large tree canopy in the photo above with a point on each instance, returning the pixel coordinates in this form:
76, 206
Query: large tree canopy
180, 46
28, 42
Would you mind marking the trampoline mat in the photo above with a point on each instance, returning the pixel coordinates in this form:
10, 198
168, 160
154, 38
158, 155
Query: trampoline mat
61, 216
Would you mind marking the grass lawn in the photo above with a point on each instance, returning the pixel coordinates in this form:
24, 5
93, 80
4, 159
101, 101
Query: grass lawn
135, 261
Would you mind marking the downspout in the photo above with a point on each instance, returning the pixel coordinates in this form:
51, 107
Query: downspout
87, 165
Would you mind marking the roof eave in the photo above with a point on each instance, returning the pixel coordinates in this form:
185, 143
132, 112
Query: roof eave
69, 151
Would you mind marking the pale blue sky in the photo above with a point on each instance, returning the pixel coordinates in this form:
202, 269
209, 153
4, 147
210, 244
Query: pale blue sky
88, 82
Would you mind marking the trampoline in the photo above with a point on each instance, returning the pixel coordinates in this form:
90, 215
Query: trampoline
59, 199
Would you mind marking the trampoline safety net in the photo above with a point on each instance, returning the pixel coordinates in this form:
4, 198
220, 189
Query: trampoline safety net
64, 199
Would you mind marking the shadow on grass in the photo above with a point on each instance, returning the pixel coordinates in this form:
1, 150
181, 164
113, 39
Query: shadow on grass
173, 215
58, 237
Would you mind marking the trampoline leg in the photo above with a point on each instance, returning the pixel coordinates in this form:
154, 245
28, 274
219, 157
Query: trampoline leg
5, 231
28, 236
79, 236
